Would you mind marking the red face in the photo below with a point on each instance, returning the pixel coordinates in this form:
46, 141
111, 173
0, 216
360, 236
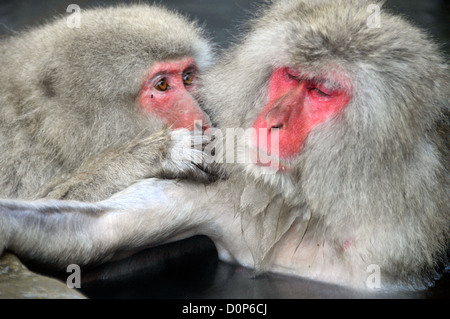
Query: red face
167, 93
296, 105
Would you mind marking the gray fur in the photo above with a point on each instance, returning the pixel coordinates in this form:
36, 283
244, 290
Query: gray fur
370, 186
377, 172
68, 111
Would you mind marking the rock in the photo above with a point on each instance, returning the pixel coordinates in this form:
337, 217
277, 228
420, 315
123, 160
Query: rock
16, 281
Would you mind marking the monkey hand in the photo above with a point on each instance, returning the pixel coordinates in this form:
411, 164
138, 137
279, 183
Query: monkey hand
167, 154
186, 158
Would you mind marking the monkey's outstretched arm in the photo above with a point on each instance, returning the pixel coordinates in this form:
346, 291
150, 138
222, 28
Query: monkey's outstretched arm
66, 232
166, 154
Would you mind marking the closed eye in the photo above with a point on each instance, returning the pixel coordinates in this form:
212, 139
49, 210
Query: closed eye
319, 92
293, 77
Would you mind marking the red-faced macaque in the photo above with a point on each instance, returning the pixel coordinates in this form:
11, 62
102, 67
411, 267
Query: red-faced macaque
348, 182
87, 111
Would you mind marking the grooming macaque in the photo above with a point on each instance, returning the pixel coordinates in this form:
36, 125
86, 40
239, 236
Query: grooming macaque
359, 177
87, 111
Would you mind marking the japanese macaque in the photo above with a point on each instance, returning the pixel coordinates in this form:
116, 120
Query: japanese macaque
87, 111
347, 127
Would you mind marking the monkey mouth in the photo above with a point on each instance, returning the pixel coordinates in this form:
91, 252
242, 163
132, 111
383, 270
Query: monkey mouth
262, 158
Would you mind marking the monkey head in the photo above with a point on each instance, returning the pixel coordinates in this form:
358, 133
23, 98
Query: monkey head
136, 66
329, 83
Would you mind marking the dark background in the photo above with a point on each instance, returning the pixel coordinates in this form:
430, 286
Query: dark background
165, 272
221, 17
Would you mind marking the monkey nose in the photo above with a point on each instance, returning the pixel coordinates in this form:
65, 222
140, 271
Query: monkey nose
277, 118
202, 122
199, 125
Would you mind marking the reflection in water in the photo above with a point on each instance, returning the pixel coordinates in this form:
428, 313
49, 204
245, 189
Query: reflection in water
183, 273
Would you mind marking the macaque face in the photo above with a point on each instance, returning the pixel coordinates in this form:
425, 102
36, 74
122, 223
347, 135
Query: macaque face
297, 103
167, 93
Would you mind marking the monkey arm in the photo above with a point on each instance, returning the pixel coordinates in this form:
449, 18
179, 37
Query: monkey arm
52, 232
166, 153
146, 214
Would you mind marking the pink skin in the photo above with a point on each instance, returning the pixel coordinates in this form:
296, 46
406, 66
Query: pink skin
175, 105
348, 244
296, 105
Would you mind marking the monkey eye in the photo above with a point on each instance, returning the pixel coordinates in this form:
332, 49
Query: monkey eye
188, 78
293, 76
323, 88
320, 92
162, 85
